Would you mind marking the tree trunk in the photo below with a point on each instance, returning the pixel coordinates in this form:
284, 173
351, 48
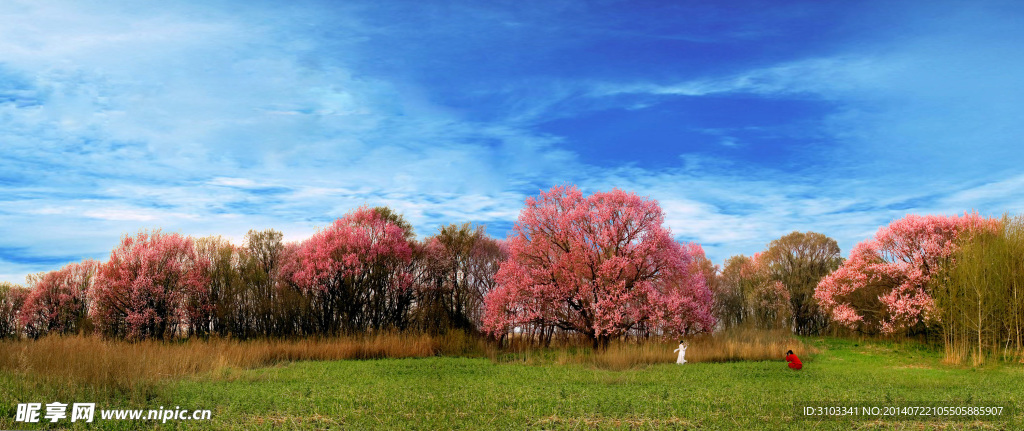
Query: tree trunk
600, 341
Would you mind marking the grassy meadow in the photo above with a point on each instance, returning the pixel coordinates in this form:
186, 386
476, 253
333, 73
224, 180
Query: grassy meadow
419, 384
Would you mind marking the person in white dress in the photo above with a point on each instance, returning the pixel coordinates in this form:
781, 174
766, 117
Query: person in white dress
682, 352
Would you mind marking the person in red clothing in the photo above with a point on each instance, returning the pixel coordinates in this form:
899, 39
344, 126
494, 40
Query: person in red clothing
794, 362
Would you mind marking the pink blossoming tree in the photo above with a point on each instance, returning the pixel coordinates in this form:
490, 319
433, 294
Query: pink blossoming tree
153, 286
12, 298
883, 286
58, 302
599, 265
357, 272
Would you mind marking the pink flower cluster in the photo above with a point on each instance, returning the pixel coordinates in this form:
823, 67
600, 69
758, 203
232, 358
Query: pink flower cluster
355, 272
152, 287
353, 247
599, 265
895, 267
57, 301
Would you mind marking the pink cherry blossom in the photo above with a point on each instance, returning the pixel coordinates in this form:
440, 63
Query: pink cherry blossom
883, 286
57, 301
599, 265
356, 271
146, 288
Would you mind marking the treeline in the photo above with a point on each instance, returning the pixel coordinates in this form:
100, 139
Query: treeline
774, 289
601, 266
363, 273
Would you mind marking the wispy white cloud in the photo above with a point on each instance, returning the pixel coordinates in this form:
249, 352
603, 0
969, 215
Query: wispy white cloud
842, 76
164, 118
204, 120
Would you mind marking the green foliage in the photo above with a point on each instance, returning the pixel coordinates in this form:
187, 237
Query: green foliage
980, 299
247, 299
732, 290
800, 260
746, 295
456, 270
397, 219
275, 308
775, 288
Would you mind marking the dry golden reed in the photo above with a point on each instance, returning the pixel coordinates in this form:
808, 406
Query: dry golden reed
110, 366
741, 344
746, 344
120, 366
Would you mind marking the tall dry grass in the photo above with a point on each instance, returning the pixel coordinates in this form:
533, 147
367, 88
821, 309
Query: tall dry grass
739, 344
77, 365
110, 366
746, 344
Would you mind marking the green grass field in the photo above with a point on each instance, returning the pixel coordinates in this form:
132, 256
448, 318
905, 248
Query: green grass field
477, 393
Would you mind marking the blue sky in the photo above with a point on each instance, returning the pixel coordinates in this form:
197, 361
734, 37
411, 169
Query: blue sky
745, 120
